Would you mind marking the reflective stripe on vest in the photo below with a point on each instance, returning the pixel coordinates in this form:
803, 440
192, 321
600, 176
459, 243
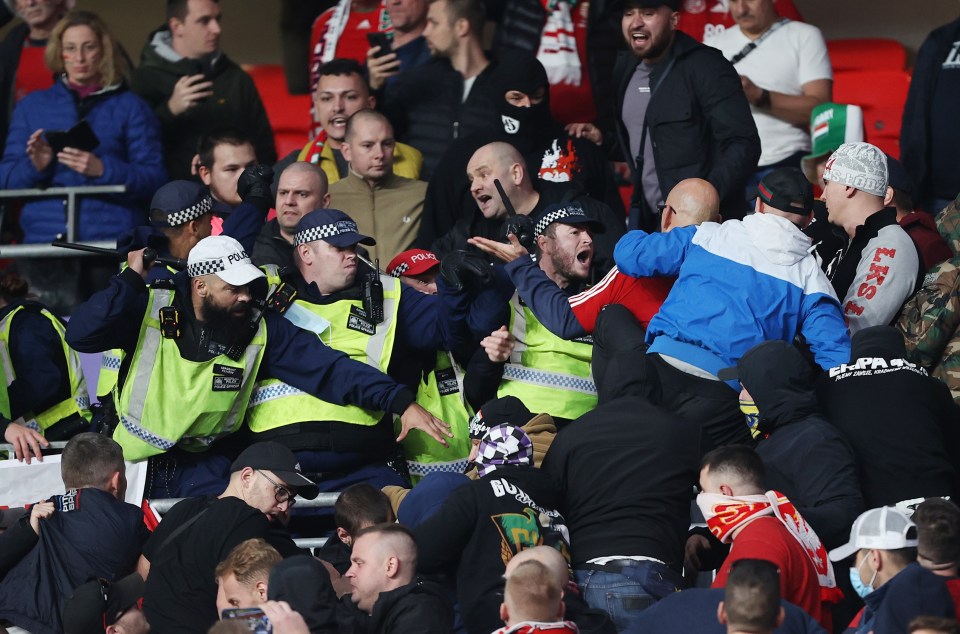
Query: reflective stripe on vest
342, 327
549, 374
79, 400
110, 361
441, 393
169, 401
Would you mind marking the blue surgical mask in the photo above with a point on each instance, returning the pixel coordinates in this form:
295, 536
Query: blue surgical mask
859, 587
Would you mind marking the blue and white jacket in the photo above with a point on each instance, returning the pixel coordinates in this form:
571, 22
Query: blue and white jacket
739, 284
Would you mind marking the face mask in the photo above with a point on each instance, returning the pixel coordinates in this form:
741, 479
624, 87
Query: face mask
859, 587
752, 414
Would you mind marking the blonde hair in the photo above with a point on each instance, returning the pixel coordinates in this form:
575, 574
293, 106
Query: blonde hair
113, 65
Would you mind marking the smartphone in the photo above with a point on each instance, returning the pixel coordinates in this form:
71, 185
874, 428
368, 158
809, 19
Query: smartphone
383, 41
253, 618
81, 137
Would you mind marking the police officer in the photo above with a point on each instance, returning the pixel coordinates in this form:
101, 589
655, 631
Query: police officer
374, 319
524, 359
180, 217
197, 346
42, 392
440, 381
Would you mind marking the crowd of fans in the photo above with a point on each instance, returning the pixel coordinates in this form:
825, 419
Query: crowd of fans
542, 406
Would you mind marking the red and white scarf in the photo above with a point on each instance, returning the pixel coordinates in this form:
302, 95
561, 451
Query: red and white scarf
725, 514
558, 44
327, 46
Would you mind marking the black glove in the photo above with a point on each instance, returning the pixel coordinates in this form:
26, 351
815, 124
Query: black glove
461, 269
522, 227
254, 185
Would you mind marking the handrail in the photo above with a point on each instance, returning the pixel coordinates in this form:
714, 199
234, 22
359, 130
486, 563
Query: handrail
71, 193
324, 500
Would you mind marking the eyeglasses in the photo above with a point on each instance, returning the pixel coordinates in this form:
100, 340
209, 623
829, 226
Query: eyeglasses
662, 208
282, 493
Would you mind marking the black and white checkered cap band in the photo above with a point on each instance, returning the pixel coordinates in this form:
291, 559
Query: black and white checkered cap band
190, 213
555, 215
400, 269
209, 267
325, 231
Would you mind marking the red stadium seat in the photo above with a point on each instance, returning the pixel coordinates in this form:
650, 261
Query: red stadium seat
289, 115
866, 54
882, 95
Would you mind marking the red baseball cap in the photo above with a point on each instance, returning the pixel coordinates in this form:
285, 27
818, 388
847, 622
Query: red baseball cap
412, 262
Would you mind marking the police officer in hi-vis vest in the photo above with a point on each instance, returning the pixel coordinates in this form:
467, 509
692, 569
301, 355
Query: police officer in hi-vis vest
198, 344
374, 319
440, 380
548, 374
43, 395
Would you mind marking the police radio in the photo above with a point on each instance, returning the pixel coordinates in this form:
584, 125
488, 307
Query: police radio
372, 293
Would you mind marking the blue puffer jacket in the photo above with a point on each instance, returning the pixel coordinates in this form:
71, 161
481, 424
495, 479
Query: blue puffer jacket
130, 149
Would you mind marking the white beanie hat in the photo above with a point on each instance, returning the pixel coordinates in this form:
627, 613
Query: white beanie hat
858, 165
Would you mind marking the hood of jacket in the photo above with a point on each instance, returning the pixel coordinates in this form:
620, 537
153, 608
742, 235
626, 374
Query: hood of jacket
780, 381
418, 595
158, 53
304, 583
884, 342
627, 375
778, 239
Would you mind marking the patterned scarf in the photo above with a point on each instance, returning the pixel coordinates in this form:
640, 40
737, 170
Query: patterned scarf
504, 444
558, 44
725, 514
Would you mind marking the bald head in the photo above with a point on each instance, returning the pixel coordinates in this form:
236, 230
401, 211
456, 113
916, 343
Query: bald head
363, 117
503, 162
546, 555
692, 201
531, 594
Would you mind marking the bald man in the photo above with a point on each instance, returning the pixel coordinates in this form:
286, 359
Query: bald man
486, 216
533, 599
575, 609
384, 205
690, 202
383, 583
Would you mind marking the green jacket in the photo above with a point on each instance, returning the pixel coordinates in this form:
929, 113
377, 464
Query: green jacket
235, 103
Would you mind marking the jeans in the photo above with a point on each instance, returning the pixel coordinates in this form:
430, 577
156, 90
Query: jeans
179, 474
626, 593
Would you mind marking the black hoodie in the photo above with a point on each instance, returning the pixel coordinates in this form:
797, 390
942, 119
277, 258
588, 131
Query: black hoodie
626, 471
903, 425
807, 459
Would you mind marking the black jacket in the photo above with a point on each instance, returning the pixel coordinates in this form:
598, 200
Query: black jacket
427, 111
90, 535
480, 527
698, 120
420, 607
806, 458
10, 49
903, 425
448, 198
235, 103
475, 224
915, 131
270, 247
626, 471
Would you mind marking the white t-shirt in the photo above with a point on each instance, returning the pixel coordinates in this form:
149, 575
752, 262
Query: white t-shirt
786, 59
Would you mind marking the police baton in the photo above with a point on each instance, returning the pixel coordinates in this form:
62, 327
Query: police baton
149, 254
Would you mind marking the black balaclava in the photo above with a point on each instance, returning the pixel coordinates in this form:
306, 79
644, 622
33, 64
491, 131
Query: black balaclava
527, 128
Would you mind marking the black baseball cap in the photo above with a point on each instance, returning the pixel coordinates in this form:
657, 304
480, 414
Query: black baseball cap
274, 457
897, 176
179, 202
98, 603
330, 225
787, 189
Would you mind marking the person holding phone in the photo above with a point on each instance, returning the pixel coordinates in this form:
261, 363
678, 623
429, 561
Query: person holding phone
117, 141
387, 59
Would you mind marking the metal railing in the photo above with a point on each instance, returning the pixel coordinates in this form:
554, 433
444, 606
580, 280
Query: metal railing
324, 500
71, 194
